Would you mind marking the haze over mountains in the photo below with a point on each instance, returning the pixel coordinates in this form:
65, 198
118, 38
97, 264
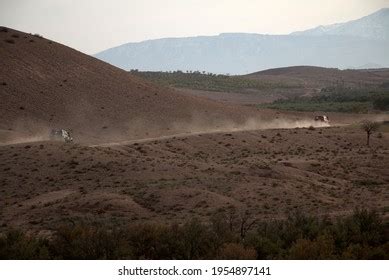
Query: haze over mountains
374, 26
353, 44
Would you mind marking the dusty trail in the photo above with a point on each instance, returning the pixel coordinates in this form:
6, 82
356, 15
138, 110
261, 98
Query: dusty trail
145, 140
194, 130
250, 125
185, 134
32, 139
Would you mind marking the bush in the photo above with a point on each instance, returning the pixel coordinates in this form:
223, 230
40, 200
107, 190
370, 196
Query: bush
17, 245
88, 242
10, 41
322, 248
235, 251
381, 103
265, 247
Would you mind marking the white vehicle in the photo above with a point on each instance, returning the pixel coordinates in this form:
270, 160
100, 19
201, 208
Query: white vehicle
61, 135
322, 119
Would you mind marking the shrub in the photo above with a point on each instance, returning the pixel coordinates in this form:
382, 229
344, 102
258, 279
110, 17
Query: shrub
265, 247
320, 248
88, 242
381, 103
10, 41
235, 251
17, 245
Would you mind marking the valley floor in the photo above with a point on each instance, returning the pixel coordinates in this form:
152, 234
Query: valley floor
266, 173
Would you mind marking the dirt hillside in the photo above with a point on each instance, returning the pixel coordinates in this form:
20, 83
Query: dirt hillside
46, 85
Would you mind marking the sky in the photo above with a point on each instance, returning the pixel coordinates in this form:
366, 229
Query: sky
91, 26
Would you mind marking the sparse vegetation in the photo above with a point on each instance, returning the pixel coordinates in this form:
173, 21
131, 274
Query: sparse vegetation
359, 236
337, 99
208, 81
381, 103
307, 105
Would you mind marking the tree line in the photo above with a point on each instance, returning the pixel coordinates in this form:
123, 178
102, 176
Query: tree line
227, 235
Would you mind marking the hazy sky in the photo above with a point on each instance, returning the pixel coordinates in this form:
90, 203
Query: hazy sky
94, 25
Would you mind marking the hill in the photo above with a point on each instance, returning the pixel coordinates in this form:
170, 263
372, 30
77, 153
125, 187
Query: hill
47, 85
321, 77
350, 45
330, 90
274, 84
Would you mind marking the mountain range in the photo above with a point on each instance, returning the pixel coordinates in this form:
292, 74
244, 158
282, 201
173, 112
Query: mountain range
364, 41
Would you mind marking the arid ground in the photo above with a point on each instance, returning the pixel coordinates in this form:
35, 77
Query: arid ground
144, 152
268, 172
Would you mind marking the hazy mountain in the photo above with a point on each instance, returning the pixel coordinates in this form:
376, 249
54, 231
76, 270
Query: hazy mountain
358, 42
374, 26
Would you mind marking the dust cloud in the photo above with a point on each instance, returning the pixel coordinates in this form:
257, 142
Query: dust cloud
199, 124
24, 131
